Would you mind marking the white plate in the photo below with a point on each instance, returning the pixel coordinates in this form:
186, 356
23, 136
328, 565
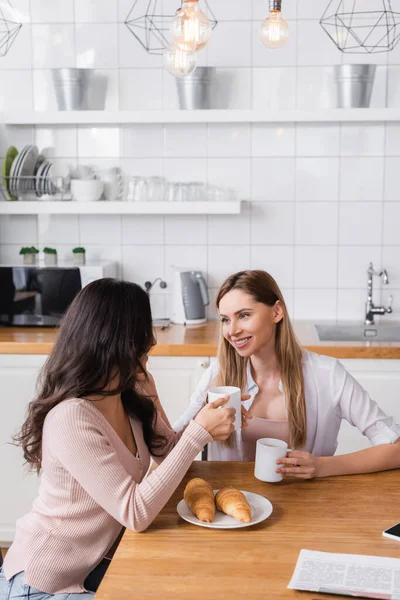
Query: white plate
261, 509
39, 178
15, 167
57, 176
26, 170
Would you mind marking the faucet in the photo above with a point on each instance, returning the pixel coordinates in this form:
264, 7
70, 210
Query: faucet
370, 309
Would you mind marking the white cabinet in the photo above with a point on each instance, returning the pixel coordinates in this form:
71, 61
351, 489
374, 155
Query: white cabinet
381, 379
176, 378
18, 376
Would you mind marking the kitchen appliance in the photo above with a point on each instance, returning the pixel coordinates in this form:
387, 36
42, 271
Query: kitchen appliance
38, 296
189, 297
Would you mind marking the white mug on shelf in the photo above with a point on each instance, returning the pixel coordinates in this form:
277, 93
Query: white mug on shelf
113, 183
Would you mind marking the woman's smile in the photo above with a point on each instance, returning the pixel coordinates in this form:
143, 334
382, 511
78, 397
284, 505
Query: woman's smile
240, 343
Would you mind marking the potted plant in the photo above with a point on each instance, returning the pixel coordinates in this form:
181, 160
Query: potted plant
79, 255
29, 254
50, 257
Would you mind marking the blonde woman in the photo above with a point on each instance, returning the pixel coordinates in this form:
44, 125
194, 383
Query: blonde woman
294, 395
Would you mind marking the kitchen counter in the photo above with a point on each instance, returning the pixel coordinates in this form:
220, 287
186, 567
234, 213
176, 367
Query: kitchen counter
198, 340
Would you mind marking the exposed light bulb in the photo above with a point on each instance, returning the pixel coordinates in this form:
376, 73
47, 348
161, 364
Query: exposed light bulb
274, 31
190, 28
178, 62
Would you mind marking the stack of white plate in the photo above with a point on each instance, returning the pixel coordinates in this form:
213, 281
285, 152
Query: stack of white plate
32, 173
22, 171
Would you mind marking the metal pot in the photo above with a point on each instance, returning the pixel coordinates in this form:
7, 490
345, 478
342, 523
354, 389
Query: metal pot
71, 87
354, 85
194, 91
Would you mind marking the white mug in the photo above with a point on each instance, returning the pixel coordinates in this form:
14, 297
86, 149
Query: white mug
268, 450
113, 183
235, 397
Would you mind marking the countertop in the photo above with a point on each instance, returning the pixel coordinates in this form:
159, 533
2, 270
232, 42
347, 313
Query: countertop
198, 340
175, 560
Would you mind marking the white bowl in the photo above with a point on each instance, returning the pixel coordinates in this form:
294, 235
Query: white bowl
86, 190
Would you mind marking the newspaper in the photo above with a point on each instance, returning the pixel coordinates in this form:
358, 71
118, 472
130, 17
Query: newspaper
347, 574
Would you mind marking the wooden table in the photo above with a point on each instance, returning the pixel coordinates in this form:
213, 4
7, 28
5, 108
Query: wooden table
174, 560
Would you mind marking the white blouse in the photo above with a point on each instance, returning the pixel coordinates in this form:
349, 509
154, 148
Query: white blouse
331, 394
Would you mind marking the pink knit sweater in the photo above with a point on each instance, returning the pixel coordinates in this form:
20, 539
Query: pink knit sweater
91, 485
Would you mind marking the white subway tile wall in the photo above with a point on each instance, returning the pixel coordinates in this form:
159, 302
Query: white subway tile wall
324, 199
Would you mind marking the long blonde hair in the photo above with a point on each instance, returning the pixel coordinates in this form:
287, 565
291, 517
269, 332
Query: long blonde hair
233, 368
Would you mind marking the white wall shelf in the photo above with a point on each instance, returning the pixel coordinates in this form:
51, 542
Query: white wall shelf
119, 208
99, 117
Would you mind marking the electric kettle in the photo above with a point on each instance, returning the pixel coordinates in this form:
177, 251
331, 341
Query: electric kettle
189, 297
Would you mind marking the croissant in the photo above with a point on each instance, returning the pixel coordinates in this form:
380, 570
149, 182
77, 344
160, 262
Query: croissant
233, 503
199, 497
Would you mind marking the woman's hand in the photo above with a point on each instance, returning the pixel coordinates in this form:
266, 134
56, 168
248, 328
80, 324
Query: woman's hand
246, 414
218, 423
299, 464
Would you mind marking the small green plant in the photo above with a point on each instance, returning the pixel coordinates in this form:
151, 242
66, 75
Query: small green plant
79, 250
29, 250
49, 250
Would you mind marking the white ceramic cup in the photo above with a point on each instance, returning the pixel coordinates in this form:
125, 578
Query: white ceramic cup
113, 183
235, 397
268, 450
86, 190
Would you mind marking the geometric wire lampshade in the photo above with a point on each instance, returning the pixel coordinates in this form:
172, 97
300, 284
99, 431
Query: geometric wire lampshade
9, 27
151, 27
357, 30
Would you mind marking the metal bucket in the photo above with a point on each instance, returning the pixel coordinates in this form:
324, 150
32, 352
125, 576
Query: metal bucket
194, 91
354, 85
71, 87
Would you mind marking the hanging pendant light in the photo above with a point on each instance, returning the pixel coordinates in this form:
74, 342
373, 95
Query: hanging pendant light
151, 27
9, 26
190, 28
358, 31
179, 62
274, 31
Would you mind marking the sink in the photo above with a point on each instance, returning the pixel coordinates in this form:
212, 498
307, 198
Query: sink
355, 332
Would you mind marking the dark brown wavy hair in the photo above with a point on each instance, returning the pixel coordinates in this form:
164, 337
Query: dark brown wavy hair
102, 339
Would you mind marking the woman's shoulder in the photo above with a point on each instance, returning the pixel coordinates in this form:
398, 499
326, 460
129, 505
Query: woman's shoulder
318, 361
72, 409
320, 366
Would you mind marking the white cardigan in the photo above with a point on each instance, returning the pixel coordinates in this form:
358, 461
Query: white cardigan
331, 393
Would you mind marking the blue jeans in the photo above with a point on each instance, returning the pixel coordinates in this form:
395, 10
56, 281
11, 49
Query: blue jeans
16, 589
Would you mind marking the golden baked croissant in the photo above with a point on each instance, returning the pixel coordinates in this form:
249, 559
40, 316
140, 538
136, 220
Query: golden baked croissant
199, 497
233, 503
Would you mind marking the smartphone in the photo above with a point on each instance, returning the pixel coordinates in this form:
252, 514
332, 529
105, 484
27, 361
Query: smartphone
393, 532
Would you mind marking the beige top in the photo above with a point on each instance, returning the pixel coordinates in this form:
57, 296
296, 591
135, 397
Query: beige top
91, 487
262, 428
